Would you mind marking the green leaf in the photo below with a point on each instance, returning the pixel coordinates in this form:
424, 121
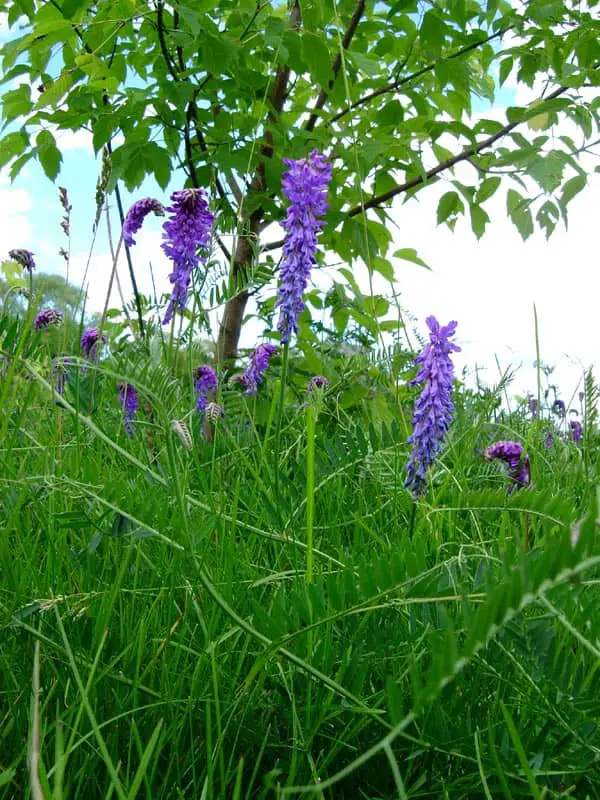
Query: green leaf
409, 254
518, 211
433, 31
70, 7
571, 188
487, 188
316, 56
56, 90
479, 219
449, 207
367, 64
48, 154
547, 217
506, 66
376, 306
548, 171
17, 103
383, 267
13, 144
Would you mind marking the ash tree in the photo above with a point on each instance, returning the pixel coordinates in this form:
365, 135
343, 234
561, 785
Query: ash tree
215, 93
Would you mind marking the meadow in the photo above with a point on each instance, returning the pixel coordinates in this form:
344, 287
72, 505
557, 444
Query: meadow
217, 584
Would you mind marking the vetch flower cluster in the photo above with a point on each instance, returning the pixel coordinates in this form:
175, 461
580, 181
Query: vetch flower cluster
434, 407
576, 430
317, 382
136, 216
305, 187
205, 382
259, 361
24, 258
186, 231
558, 407
89, 343
518, 461
128, 398
47, 317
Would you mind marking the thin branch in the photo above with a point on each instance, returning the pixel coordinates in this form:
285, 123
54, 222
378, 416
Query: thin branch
466, 154
396, 84
337, 63
250, 23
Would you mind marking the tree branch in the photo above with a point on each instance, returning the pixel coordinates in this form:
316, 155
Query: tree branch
337, 62
466, 154
396, 84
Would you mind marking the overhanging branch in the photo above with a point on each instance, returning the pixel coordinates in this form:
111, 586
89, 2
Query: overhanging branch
467, 153
396, 84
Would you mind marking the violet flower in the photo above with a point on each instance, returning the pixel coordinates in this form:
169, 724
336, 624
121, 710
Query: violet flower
188, 229
434, 407
205, 382
549, 440
532, 406
47, 317
576, 430
89, 343
317, 382
305, 187
24, 258
128, 398
558, 407
518, 462
136, 215
259, 361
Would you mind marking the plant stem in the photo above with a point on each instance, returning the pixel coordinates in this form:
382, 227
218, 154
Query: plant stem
280, 417
310, 488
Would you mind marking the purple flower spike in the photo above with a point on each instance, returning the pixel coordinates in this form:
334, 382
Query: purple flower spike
188, 230
576, 430
518, 462
47, 317
433, 410
317, 382
205, 379
559, 408
549, 440
136, 216
259, 361
24, 258
89, 343
532, 407
305, 186
128, 398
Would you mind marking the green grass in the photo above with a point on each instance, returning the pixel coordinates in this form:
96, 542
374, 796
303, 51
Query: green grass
192, 623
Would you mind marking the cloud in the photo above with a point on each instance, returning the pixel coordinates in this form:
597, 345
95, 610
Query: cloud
16, 230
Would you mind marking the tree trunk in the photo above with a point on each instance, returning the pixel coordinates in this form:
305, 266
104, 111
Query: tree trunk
231, 324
